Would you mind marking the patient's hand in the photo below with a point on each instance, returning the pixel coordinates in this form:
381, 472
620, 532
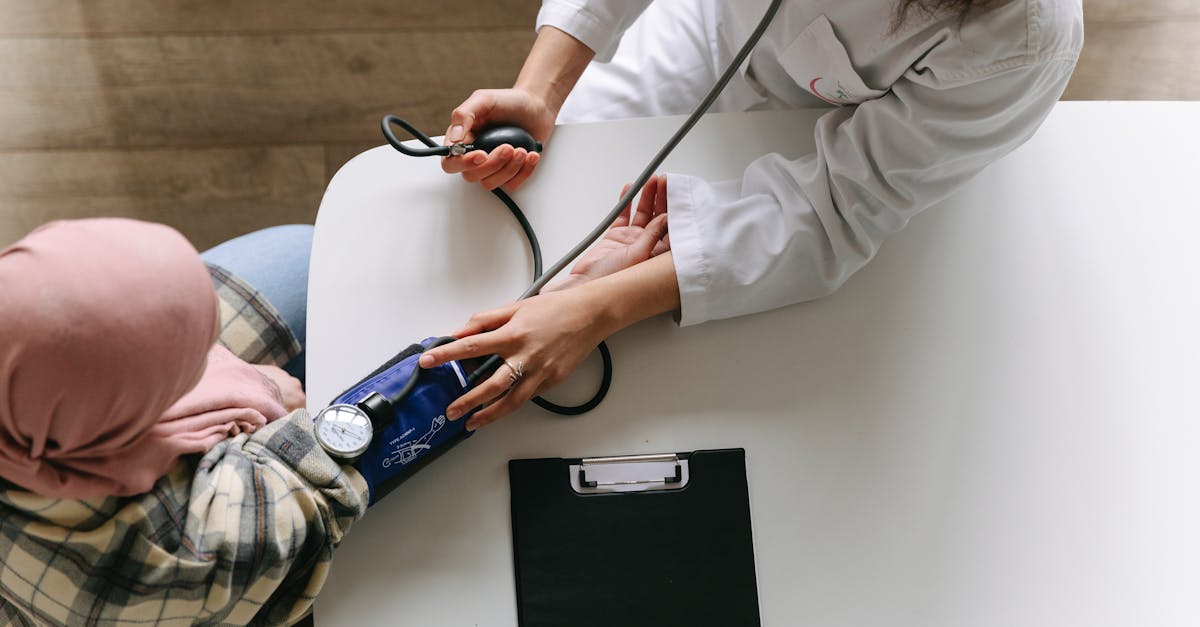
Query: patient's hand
288, 389
628, 241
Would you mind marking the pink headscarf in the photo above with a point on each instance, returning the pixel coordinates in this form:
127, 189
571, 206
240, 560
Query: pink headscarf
105, 326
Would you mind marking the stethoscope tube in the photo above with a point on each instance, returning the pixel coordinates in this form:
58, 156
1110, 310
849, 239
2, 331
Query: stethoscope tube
494, 137
519, 138
434, 150
667, 148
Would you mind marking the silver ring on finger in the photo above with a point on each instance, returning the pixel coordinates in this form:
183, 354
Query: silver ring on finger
515, 373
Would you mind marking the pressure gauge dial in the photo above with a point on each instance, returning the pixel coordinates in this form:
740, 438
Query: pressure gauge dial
344, 431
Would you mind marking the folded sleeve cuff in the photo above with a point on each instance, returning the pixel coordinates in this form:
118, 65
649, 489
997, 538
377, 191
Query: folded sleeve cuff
692, 266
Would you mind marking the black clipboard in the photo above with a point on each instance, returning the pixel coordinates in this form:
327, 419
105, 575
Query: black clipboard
659, 540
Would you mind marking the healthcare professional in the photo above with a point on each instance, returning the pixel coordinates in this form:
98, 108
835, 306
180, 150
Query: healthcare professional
923, 94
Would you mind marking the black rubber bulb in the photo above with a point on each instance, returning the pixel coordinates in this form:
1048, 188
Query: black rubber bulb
492, 138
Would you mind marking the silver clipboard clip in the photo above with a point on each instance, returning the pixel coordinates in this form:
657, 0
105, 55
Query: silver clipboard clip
629, 473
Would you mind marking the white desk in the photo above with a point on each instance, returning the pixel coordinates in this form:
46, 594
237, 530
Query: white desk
995, 423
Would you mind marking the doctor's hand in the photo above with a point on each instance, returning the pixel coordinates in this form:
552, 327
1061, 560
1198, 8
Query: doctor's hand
628, 241
505, 166
545, 336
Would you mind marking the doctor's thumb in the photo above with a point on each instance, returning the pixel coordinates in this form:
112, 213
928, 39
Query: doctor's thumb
461, 121
473, 111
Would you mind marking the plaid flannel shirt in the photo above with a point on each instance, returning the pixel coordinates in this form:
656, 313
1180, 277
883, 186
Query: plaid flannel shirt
241, 535
251, 328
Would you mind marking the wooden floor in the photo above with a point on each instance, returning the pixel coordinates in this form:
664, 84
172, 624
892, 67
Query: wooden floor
222, 116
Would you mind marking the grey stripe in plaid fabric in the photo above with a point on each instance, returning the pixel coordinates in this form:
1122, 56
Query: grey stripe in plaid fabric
251, 327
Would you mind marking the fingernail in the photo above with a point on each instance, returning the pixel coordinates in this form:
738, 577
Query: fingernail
479, 159
426, 361
472, 424
454, 413
456, 133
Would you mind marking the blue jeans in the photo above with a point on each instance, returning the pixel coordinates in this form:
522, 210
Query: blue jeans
273, 261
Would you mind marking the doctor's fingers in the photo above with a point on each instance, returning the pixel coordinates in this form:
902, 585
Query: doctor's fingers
512, 396
490, 390
471, 160
506, 172
478, 337
469, 115
531, 161
487, 320
496, 161
482, 345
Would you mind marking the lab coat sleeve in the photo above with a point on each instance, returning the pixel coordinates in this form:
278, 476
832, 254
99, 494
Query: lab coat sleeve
598, 24
795, 230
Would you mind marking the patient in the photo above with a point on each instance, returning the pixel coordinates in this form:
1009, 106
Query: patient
146, 473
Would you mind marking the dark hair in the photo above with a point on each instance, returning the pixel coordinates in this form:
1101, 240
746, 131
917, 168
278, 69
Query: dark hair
931, 8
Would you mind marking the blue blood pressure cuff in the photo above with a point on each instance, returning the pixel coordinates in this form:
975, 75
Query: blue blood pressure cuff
418, 431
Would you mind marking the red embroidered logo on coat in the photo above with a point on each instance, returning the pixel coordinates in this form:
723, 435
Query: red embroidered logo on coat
842, 95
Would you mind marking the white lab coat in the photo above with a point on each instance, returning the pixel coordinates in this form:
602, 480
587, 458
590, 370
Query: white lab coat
919, 112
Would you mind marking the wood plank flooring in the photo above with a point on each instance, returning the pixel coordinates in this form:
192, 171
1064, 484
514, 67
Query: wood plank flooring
222, 116
58, 18
219, 117
1139, 50
219, 90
